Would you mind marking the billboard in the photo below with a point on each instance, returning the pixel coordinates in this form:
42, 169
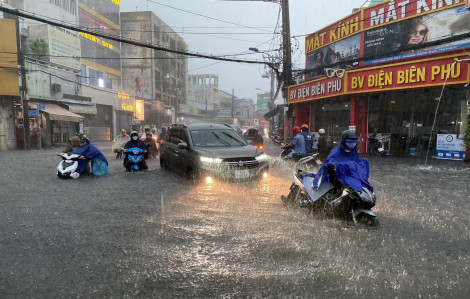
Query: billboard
389, 31
336, 53
8, 59
64, 47
397, 40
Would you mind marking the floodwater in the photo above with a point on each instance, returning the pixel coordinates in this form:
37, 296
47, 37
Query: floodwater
155, 235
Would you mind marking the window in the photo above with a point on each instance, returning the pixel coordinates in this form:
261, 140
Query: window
175, 136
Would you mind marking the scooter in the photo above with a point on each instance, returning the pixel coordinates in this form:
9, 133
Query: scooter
310, 158
135, 159
331, 200
68, 166
375, 147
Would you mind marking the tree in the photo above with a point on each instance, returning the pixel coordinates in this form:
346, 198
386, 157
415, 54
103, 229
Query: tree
467, 139
39, 48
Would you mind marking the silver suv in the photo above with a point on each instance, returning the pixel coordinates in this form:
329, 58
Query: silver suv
206, 149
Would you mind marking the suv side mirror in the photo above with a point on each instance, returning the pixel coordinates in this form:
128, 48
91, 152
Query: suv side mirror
183, 145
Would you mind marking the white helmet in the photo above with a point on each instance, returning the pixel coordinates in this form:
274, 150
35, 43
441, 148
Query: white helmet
321, 131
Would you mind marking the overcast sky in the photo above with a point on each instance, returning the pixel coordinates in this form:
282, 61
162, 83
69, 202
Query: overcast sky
231, 27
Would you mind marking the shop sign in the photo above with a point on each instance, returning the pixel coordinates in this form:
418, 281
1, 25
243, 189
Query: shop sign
392, 11
344, 28
139, 110
316, 89
32, 113
449, 146
157, 105
417, 74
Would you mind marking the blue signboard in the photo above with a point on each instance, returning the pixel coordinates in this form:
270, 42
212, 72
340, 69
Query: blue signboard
42, 106
32, 112
449, 146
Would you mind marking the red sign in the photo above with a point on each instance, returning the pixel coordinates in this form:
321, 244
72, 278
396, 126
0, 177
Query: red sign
392, 11
418, 74
316, 89
344, 28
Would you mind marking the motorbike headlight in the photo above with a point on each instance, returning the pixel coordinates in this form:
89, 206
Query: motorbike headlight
211, 160
261, 157
135, 152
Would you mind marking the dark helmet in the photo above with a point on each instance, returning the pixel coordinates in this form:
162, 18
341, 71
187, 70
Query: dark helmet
349, 135
252, 131
134, 133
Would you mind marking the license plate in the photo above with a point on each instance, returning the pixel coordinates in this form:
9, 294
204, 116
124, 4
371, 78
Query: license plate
242, 174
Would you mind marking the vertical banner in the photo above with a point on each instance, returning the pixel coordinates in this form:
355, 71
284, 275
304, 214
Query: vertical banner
139, 110
449, 146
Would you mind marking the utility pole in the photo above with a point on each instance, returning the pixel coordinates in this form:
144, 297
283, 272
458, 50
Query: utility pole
287, 63
24, 100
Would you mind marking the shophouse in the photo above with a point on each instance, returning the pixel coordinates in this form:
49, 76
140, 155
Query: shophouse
389, 69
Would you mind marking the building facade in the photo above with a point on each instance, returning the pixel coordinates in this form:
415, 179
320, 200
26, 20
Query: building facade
157, 79
399, 70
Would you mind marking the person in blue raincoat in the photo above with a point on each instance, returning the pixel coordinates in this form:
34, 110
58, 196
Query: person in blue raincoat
87, 152
134, 142
343, 165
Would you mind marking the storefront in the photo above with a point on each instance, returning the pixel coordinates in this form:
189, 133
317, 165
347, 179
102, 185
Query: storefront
51, 124
355, 77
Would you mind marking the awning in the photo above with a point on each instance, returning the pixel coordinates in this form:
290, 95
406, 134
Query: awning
58, 113
83, 109
272, 113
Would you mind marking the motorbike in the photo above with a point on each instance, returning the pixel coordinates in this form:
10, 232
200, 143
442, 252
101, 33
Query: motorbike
277, 139
309, 159
68, 166
256, 142
375, 146
135, 159
331, 200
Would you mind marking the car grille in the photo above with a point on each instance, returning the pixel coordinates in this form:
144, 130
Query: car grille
241, 163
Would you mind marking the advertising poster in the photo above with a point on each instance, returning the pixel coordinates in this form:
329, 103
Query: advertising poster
398, 39
344, 50
64, 47
449, 146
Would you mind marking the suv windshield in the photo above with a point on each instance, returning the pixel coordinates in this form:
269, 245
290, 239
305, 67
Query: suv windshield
213, 138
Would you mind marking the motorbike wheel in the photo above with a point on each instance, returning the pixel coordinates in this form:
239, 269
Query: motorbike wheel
374, 152
163, 164
367, 220
289, 201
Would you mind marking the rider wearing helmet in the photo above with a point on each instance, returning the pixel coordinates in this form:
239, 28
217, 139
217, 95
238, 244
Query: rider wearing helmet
308, 138
346, 151
134, 142
253, 138
298, 144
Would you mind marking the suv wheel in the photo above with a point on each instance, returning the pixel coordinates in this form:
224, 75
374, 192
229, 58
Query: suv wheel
163, 164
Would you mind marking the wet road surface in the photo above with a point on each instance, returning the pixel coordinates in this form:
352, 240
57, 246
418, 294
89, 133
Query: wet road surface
155, 235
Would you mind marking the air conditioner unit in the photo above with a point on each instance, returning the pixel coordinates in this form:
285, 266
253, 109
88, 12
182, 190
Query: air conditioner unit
56, 87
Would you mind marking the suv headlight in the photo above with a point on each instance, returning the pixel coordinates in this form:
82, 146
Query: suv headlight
211, 160
261, 157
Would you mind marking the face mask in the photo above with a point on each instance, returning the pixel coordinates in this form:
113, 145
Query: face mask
351, 145
135, 137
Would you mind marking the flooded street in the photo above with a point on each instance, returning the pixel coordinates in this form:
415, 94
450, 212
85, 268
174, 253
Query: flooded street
155, 235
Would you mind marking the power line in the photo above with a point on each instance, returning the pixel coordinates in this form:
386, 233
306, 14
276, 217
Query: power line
131, 42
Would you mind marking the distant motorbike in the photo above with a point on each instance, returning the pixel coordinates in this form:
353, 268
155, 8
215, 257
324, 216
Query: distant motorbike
375, 146
135, 158
276, 139
331, 200
68, 166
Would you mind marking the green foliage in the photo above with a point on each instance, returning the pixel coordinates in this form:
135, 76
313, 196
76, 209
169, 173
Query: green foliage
467, 133
39, 48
